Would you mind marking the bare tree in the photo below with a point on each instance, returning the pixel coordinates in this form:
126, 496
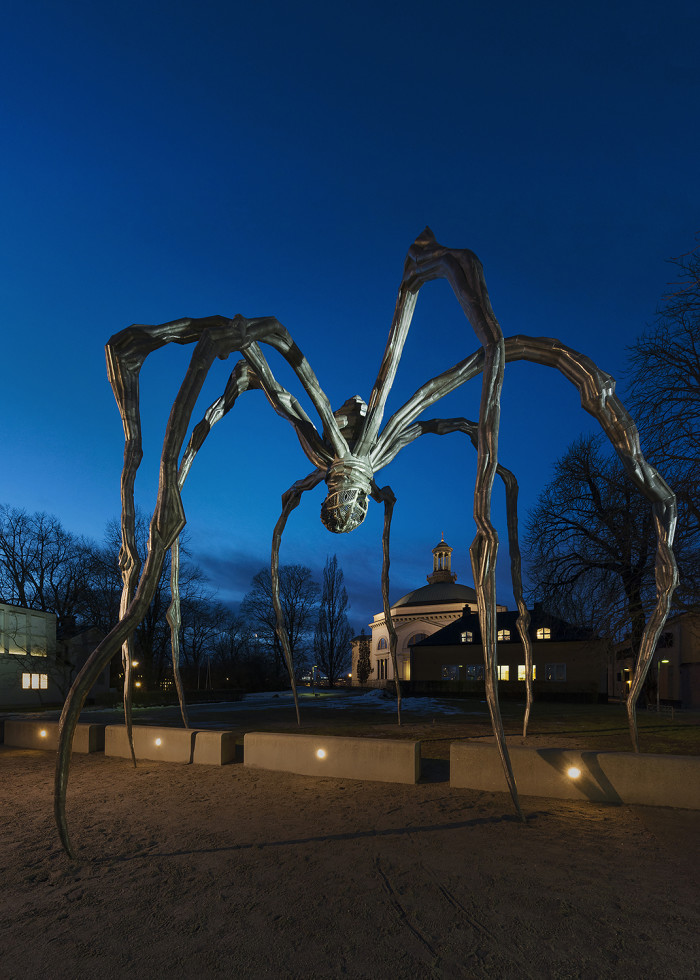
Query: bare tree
664, 381
43, 566
299, 596
333, 636
152, 636
590, 543
203, 622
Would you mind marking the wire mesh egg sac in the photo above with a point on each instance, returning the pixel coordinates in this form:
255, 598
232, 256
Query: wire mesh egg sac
344, 510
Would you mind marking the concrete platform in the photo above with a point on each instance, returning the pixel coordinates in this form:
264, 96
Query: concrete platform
604, 777
44, 735
379, 759
186, 745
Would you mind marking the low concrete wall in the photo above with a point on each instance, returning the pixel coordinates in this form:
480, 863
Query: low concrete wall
382, 759
44, 735
204, 747
156, 744
214, 748
605, 777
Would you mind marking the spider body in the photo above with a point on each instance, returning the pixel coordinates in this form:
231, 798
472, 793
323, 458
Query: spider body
347, 451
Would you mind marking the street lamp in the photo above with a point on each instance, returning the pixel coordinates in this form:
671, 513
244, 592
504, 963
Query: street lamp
658, 682
313, 679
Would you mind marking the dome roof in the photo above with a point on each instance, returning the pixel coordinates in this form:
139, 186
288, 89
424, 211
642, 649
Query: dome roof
442, 546
438, 592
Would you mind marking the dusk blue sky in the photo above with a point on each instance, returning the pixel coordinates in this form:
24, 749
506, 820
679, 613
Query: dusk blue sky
178, 159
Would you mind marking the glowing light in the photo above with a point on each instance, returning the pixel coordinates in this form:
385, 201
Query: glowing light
159, 741
320, 753
573, 773
137, 684
43, 733
134, 663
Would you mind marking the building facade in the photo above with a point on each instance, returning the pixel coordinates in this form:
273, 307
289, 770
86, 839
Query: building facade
675, 670
36, 668
28, 673
415, 616
567, 661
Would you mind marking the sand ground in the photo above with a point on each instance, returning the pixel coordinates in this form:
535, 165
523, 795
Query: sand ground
195, 871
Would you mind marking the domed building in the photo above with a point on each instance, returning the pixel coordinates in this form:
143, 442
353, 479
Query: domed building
416, 616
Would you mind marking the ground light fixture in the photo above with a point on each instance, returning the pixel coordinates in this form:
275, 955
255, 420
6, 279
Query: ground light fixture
320, 753
43, 733
573, 772
159, 741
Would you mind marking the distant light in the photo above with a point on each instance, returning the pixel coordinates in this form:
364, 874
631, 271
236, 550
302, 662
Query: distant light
320, 753
573, 773
134, 663
159, 741
43, 733
138, 684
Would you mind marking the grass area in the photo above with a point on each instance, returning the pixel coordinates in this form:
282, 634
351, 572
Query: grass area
582, 726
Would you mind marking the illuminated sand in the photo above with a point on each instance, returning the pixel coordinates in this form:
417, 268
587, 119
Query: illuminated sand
220, 872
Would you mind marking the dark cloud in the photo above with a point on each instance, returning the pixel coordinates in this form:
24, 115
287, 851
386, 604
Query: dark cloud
232, 571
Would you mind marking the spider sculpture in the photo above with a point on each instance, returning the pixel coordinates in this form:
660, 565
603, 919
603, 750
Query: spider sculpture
347, 452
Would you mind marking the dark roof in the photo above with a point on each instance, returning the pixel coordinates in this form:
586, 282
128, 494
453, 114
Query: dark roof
437, 593
469, 622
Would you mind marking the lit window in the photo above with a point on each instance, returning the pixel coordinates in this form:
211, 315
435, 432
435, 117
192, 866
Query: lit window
382, 645
35, 682
522, 673
416, 638
555, 672
544, 633
449, 672
503, 635
503, 672
467, 636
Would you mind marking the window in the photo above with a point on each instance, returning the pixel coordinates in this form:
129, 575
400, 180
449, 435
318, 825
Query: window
555, 672
475, 672
38, 644
665, 641
522, 673
449, 672
382, 645
35, 682
467, 636
503, 635
503, 672
544, 633
416, 638
383, 669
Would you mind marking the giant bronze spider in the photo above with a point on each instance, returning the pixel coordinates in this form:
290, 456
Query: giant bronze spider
347, 453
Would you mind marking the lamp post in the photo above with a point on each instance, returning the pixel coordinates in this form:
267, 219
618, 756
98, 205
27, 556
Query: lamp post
313, 680
658, 681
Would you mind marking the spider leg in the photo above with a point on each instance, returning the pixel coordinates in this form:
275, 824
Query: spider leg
443, 427
240, 380
254, 372
598, 398
166, 524
597, 391
290, 500
428, 260
386, 496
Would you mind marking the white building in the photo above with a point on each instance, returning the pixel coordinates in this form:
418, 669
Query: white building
28, 664
35, 667
416, 616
